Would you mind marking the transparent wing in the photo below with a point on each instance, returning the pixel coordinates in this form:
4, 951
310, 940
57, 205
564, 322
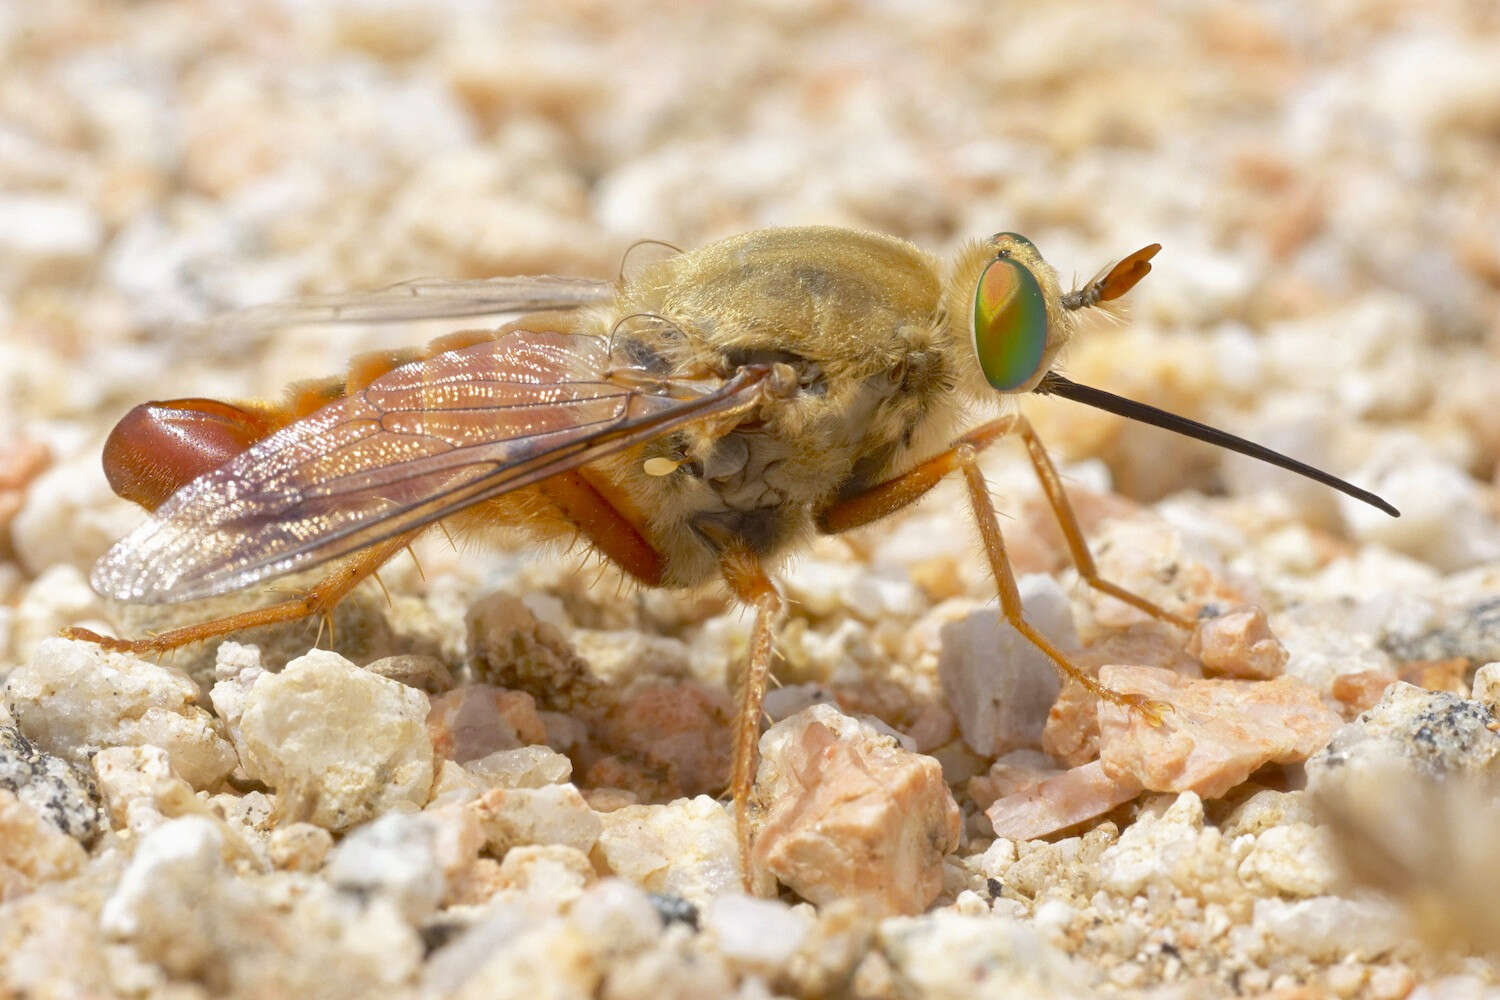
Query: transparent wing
428, 298
417, 444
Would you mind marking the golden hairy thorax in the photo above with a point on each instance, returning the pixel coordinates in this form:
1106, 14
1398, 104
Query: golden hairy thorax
858, 316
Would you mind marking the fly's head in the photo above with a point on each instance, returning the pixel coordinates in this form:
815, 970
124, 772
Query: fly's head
1014, 312
1018, 319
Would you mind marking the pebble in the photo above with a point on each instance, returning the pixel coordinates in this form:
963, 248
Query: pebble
339, 745
62, 793
1331, 927
299, 847
523, 767
1058, 802
1434, 733
159, 901
756, 934
425, 673
1238, 644
140, 787
951, 955
69, 517
999, 685
847, 813
1294, 860
477, 720
394, 856
1485, 687
1072, 730
1168, 847
177, 906
509, 647
551, 814
1216, 733
685, 848
678, 726
1445, 516
73, 698
1016, 772
20, 462
1361, 690
32, 850
553, 872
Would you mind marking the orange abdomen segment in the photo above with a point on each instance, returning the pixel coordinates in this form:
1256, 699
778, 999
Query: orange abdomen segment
159, 447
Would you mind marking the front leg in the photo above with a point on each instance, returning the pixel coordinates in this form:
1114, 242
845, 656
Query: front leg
887, 497
895, 493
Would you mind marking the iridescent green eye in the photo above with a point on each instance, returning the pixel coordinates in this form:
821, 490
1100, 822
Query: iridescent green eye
1010, 323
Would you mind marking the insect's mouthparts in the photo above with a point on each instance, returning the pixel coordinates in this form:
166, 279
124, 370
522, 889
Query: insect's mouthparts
1053, 384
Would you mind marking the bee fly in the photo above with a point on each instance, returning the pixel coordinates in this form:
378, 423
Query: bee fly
697, 420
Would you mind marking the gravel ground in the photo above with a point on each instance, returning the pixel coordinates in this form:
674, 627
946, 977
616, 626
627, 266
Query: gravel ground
500, 780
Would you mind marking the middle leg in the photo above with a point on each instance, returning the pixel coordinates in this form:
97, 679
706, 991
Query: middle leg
749, 582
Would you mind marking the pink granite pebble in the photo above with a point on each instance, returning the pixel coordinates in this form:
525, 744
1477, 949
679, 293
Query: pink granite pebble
1217, 733
850, 814
1060, 801
1239, 644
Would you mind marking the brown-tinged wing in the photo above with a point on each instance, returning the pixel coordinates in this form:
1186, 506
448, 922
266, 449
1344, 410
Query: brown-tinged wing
417, 444
428, 298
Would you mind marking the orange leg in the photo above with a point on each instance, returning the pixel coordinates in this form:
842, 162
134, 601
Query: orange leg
608, 528
1077, 546
890, 496
1010, 596
748, 581
321, 599
893, 494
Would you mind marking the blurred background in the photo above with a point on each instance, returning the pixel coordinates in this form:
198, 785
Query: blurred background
1325, 179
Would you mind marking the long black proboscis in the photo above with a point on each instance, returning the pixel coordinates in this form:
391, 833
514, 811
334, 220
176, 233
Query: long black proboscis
1054, 384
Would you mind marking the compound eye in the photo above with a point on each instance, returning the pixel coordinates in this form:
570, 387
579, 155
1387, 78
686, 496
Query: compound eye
1010, 323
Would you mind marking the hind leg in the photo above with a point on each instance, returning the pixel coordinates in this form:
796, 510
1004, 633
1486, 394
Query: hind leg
320, 599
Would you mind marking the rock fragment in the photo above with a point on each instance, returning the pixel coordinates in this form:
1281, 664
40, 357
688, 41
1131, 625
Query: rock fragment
339, 744
1216, 734
73, 698
999, 685
759, 935
21, 461
678, 725
947, 954
551, 814
1293, 859
1486, 687
299, 847
425, 673
140, 787
32, 850
179, 907
510, 647
1433, 733
554, 872
1060, 801
477, 720
396, 857
685, 848
523, 767
1360, 690
1238, 644
1072, 729
847, 813
62, 793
